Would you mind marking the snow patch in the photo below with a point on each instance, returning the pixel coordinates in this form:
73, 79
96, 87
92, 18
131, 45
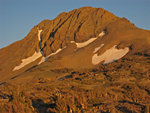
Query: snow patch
39, 34
83, 44
39, 37
58, 50
110, 55
45, 58
101, 34
32, 58
98, 48
28, 60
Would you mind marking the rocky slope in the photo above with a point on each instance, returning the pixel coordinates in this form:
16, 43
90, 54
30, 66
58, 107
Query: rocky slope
87, 52
78, 25
118, 87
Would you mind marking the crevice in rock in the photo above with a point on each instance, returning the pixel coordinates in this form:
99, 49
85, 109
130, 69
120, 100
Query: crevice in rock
52, 34
78, 29
70, 23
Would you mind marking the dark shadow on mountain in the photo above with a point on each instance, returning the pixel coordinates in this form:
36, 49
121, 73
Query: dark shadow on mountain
31, 68
148, 91
97, 104
14, 77
143, 108
43, 107
65, 77
123, 109
6, 97
2, 83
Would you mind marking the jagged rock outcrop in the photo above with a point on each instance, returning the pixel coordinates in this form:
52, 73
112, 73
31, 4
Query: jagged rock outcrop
78, 25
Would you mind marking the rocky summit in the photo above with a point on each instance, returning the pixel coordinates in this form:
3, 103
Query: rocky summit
87, 60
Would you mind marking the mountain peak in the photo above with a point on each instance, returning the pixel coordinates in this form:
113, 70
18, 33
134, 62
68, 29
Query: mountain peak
78, 25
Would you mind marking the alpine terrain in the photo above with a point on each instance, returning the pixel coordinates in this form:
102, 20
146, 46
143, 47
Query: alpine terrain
84, 61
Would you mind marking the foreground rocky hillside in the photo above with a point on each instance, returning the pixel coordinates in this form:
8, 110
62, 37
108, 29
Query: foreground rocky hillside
119, 87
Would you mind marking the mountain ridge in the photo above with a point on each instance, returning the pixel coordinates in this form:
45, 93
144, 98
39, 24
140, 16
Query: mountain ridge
78, 25
86, 60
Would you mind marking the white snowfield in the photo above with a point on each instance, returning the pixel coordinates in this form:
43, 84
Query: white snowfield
83, 44
98, 48
39, 34
28, 60
45, 58
58, 50
34, 57
101, 34
110, 55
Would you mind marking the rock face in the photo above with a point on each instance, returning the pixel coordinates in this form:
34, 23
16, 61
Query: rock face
78, 25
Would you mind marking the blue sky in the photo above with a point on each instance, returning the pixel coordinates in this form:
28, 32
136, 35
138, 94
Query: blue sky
17, 17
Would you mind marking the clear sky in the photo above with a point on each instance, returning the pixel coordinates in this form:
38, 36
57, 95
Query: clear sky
17, 17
